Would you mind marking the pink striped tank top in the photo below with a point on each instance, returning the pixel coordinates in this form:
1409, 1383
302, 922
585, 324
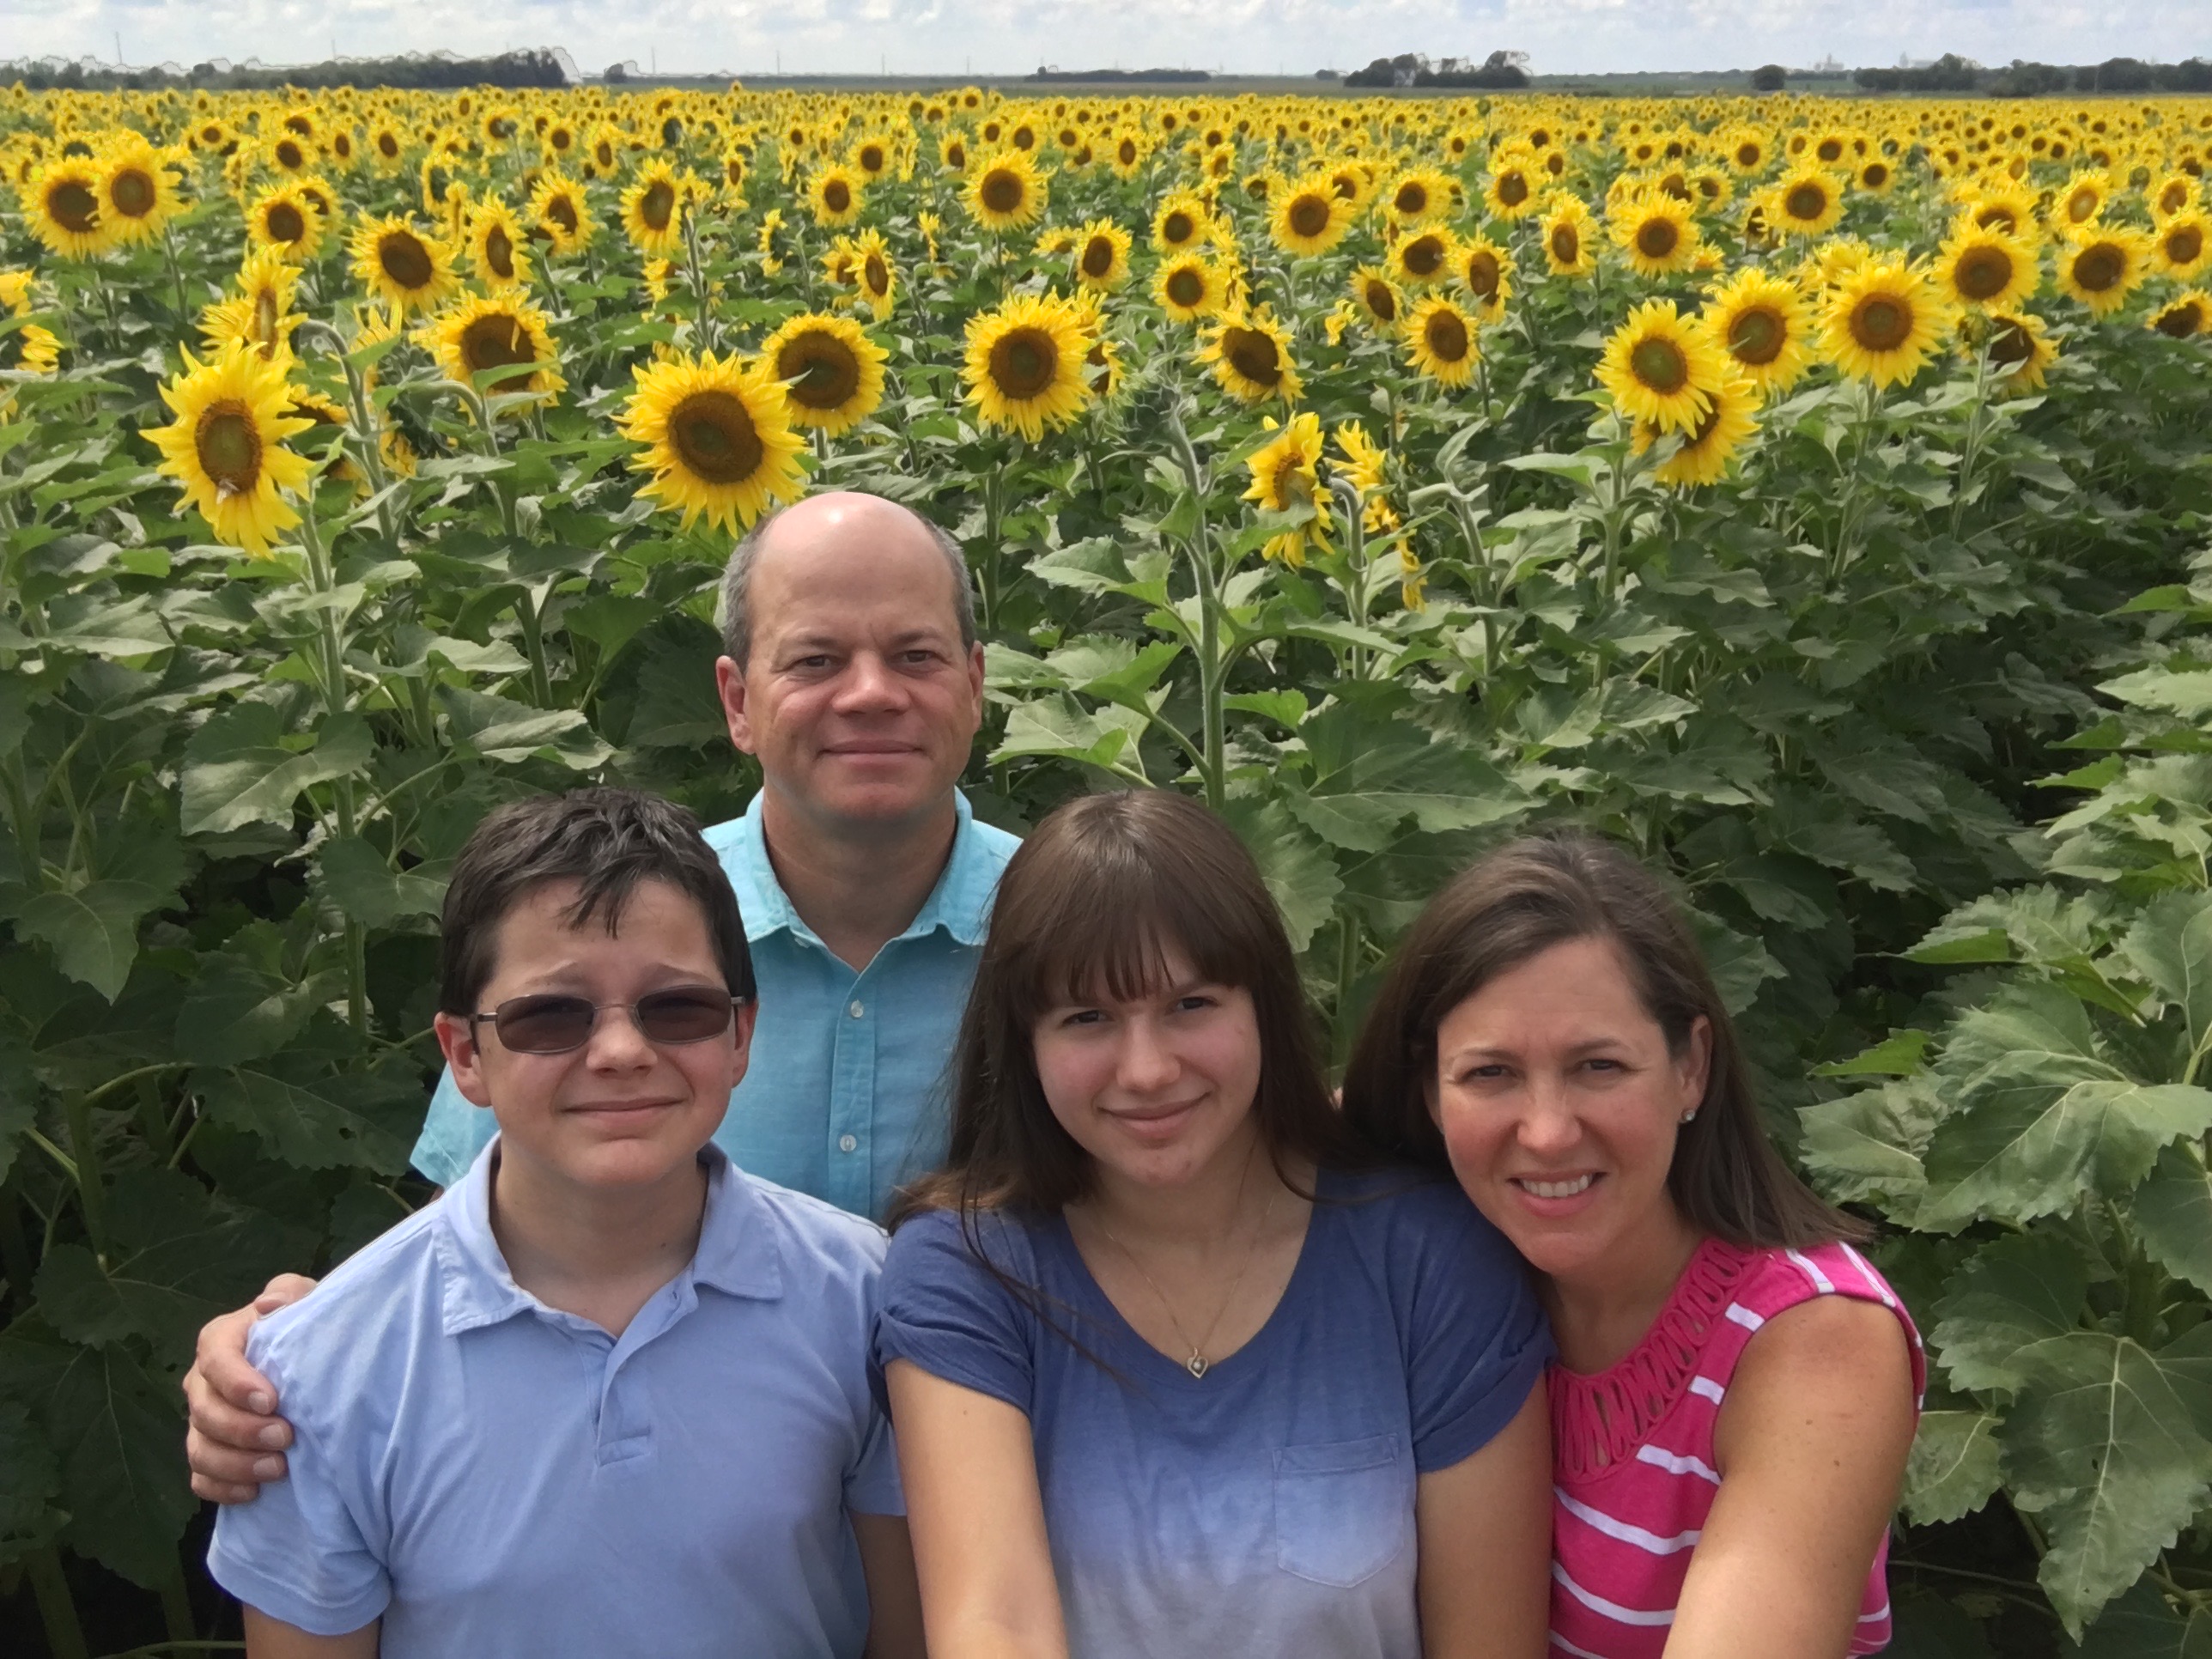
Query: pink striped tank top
1633, 1465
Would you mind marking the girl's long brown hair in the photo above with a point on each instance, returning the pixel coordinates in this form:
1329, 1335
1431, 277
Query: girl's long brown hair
1519, 901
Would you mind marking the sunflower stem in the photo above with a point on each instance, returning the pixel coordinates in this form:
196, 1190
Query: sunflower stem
176, 275
323, 579
1976, 433
1211, 667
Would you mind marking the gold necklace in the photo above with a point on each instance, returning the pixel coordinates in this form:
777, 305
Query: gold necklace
1198, 1365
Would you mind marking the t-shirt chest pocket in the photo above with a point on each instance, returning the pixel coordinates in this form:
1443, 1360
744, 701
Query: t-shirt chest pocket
1344, 1511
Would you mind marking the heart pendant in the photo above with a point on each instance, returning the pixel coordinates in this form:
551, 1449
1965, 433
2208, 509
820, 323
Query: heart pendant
1196, 1364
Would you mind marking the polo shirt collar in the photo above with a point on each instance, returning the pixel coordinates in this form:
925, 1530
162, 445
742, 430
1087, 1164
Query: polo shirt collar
738, 1252
960, 904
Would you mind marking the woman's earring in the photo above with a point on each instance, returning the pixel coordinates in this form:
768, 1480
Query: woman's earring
1688, 1115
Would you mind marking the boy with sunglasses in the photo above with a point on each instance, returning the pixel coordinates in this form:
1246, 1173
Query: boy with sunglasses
609, 1394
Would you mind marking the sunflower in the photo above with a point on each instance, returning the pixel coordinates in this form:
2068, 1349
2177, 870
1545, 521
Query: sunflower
259, 315
1730, 418
2021, 350
1103, 367
61, 203
1377, 298
1661, 369
35, 348
832, 373
2083, 199
1511, 192
137, 192
558, 213
1363, 468
1425, 258
400, 265
1566, 233
653, 210
1421, 194
1882, 322
953, 152
1181, 224
497, 250
1806, 203
1190, 287
1309, 219
834, 195
2172, 194
2184, 316
2005, 208
1286, 476
2184, 243
1764, 324
1656, 232
1005, 192
1484, 273
227, 446
1440, 341
388, 144
1025, 363
2100, 266
719, 439
1987, 268
1101, 256
498, 332
873, 274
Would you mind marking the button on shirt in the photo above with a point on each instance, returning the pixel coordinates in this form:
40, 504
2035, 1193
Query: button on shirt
490, 1475
844, 1096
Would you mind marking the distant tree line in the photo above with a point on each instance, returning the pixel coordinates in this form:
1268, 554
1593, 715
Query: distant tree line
1954, 74
1178, 75
534, 67
1500, 71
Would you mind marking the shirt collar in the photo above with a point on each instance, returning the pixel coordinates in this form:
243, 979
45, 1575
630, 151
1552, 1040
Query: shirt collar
960, 904
738, 1253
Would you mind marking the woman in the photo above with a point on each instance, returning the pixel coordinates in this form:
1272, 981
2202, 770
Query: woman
1736, 1389
1176, 1369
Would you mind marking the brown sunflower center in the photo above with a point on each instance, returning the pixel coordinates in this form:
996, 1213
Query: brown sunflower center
404, 259
1252, 353
1002, 190
1446, 336
288, 156
2099, 267
657, 205
1097, 258
820, 370
265, 320
877, 275
228, 444
562, 212
2181, 321
2185, 244
1806, 201
1382, 301
1830, 149
1424, 256
1748, 157
1482, 273
1756, 337
1126, 153
2010, 343
1875, 175
1984, 272
1186, 287
1566, 244
1997, 218
1024, 362
1660, 365
132, 192
1308, 215
1512, 188
498, 340
714, 434
872, 158
955, 157
2081, 206
1881, 322
387, 146
1412, 199
498, 252
1177, 228
1657, 238
78, 208
837, 196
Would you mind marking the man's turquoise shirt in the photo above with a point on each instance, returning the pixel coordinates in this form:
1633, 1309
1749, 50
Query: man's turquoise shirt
844, 1097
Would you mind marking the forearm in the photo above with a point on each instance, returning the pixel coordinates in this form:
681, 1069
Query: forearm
272, 1638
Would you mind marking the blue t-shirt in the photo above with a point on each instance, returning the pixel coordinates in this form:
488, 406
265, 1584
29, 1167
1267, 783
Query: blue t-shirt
1266, 1507
490, 1475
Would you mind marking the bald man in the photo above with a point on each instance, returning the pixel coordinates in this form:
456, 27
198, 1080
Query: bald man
852, 674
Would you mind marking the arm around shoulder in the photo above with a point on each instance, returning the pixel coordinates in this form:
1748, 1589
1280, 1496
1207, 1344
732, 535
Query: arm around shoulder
1811, 1446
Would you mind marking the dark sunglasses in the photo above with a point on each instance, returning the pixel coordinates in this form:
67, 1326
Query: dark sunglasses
552, 1024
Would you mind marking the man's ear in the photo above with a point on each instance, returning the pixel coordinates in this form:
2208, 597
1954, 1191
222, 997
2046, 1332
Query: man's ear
730, 687
976, 678
457, 1040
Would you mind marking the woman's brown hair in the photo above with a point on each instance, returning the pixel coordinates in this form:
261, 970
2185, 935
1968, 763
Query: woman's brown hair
1091, 905
1528, 895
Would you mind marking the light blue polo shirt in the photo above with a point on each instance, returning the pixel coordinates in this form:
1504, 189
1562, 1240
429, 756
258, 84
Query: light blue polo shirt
488, 1476
844, 1097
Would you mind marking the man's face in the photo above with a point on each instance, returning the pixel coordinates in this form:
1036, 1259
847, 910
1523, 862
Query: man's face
858, 699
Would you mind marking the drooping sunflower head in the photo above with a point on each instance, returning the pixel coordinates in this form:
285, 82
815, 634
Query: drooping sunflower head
652, 208
1250, 354
1189, 287
1764, 326
226, 446
1987, 269
2185, 317
831, 372
719, 439
1005, 192
2103, 264
1656, 232
1883, 321
410, 271
1807, 202
1181, 224
1377, 298
1425, 258
1566, 230
1026, 365
2020, 350
61, 204
1730, 419
1309, 218
498, 249
1661, 369
500, 346
259, 315
1441, 342
1101, 256
1286, 469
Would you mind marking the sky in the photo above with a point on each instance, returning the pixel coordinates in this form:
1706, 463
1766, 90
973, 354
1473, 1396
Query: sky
957, 38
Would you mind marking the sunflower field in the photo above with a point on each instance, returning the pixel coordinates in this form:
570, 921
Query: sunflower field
1811, 494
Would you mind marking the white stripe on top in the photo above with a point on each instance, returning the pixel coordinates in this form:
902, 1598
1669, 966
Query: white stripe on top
1677, 1463
1706, 1387
1612, 1610
1821, 1282
1744, 1317
1569, 1648
1651, 1542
